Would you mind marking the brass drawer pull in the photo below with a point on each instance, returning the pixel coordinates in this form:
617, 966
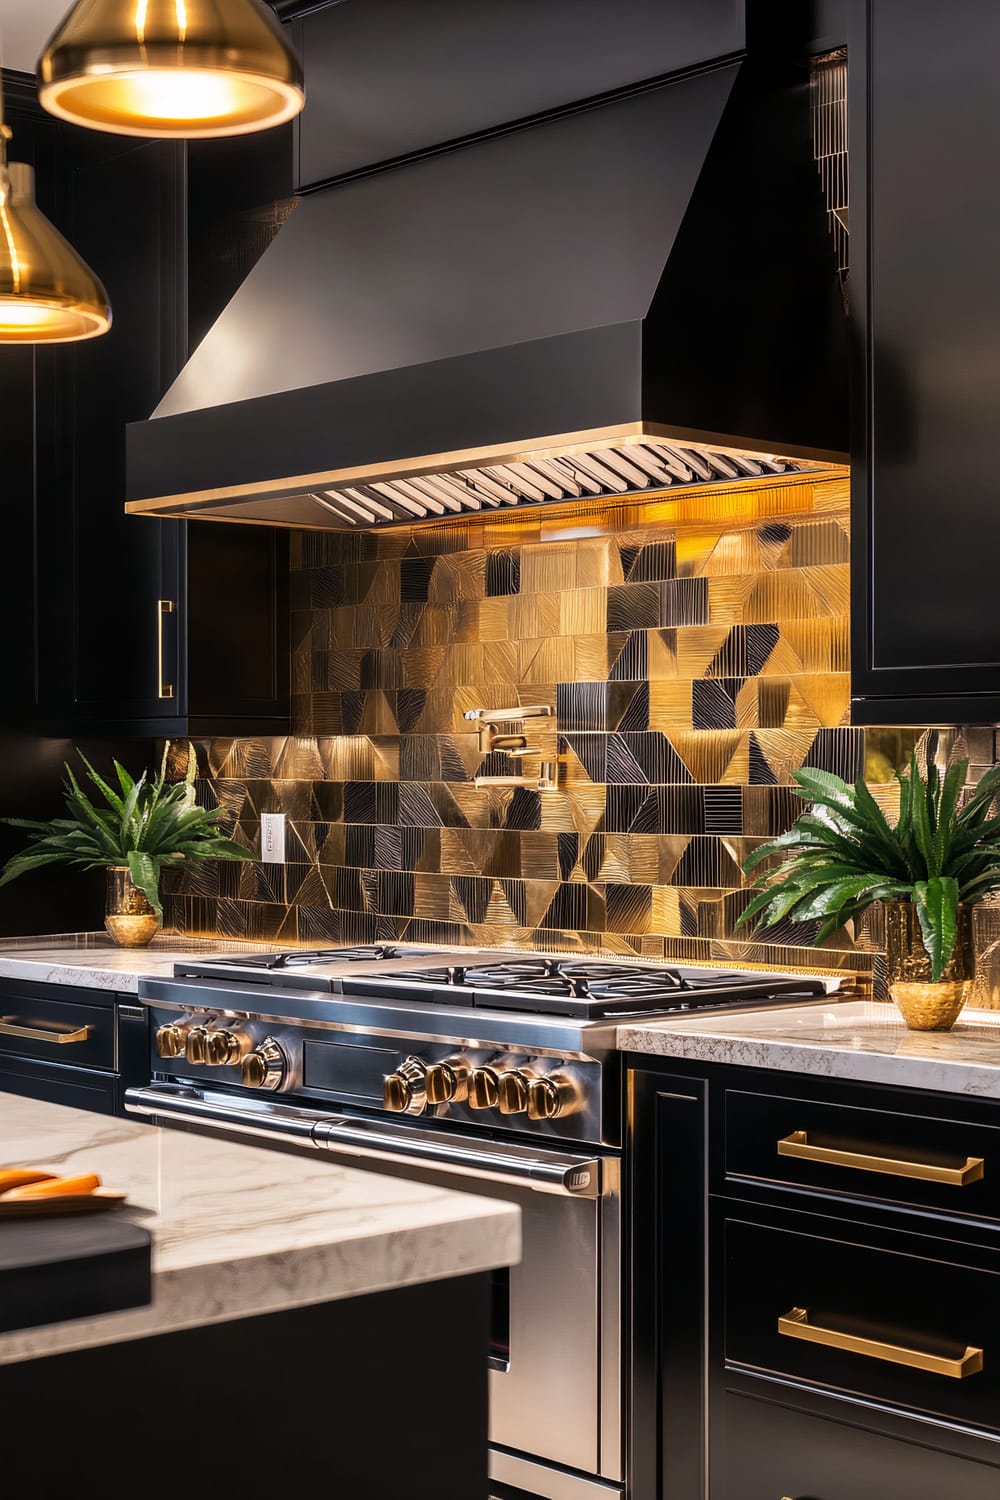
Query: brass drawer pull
163, 607
11, 1026
796, 1325
798, 1144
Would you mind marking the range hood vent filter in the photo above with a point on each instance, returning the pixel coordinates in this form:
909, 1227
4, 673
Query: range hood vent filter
536, 480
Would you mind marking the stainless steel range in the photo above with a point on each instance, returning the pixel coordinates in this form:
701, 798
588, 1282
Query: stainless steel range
472, 1069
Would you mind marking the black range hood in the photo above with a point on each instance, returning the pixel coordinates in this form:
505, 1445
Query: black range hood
629, 296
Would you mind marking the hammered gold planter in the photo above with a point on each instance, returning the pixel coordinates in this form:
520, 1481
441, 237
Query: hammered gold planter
924, 1005
128, 917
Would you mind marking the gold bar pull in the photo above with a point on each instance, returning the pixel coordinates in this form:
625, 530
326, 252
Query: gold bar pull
11, 1026
798, 1144
163, 607
795, 1324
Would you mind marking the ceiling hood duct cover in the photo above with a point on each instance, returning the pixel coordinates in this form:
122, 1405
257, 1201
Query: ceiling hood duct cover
651, 270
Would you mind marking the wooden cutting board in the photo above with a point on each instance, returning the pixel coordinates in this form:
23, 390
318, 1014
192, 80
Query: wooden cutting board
71, 1267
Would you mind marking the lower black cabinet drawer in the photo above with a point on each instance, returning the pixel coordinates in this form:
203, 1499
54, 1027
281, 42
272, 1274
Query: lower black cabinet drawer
768, 1452
74, 1087
890, 1321
921, 1160
70, 1031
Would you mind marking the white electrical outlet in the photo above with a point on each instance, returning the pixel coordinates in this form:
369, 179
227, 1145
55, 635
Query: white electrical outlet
272, 838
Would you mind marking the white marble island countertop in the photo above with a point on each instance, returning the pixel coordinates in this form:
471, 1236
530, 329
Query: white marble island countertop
240, 1230
856, 1039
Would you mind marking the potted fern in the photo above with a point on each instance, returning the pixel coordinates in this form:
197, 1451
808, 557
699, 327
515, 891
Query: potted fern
134, 831
930, 870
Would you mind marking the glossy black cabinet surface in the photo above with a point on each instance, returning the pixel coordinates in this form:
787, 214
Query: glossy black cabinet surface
126, 626
388, 78
773, 1452
70, 1045
925, 145
809, 1329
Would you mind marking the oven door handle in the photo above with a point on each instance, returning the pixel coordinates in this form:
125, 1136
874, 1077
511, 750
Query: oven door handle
544, 1171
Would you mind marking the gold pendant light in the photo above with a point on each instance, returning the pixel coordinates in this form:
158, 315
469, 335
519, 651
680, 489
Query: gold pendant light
48, 295
171, 68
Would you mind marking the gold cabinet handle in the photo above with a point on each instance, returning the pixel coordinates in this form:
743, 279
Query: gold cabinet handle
163, 607
798, 1144
11, 1026
796, 1325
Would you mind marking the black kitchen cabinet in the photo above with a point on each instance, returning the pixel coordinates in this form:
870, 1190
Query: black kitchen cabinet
925, 144
388, 78
71, 1045
125, 626
816, 1327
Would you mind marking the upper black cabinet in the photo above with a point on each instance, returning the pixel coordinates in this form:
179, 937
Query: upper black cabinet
387, 78
925, 227
126, 626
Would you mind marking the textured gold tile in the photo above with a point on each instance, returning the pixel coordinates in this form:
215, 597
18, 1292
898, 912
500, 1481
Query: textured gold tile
765, 564
548, 567
583, 611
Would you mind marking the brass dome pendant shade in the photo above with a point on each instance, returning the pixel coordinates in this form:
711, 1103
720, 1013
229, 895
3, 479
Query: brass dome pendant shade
171, 68
48, 295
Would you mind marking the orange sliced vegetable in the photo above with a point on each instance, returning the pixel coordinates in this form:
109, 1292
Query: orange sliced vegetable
55, 1187
17, 1177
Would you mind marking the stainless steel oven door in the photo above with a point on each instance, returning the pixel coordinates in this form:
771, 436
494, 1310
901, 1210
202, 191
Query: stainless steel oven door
555, 1382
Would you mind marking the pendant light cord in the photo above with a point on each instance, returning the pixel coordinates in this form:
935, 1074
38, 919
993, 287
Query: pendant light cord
5, 130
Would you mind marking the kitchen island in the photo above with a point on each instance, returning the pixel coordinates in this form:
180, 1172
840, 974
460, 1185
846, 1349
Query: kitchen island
295, 1303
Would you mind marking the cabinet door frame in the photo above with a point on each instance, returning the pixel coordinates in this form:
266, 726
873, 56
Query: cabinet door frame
939, 694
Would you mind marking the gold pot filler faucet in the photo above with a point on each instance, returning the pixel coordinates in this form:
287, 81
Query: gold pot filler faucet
494, 734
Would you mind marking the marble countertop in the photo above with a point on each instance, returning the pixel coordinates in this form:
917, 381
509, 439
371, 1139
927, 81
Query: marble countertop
857, 1039
240, 1230
91, 960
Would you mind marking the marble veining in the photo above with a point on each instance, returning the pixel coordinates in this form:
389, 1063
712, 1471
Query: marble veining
858, 1039
240, 1230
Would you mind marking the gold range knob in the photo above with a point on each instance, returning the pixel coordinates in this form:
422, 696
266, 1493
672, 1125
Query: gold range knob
513, 1092
404, 1092
170, 1041
194, 1044
223, 1048
484, 1089
264, 1067
447, 1082
550, 1097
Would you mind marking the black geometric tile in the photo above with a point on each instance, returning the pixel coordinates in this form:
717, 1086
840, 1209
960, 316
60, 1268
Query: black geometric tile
713, 704
629, 907
591, 750
841, 751
684, 602
760, 773
568, 908
414, 577
631, 663
635, 713
655, 560
582, 705
416, 810
409, 706
503, 572
568, 849
525, 809
633, 606
744, 651
371, 802
723, 811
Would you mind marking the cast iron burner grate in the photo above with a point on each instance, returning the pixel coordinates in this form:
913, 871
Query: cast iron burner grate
303, 958
594, 990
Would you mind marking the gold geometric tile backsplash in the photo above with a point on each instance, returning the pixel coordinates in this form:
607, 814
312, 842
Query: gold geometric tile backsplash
695, 653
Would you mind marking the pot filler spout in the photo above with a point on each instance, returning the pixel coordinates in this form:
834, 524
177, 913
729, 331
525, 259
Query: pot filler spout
636, 296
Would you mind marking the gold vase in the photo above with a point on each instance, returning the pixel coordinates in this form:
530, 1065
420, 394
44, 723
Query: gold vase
128, 917
927, 1005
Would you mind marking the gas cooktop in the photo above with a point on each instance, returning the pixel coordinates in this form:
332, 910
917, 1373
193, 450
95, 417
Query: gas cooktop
576, 989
